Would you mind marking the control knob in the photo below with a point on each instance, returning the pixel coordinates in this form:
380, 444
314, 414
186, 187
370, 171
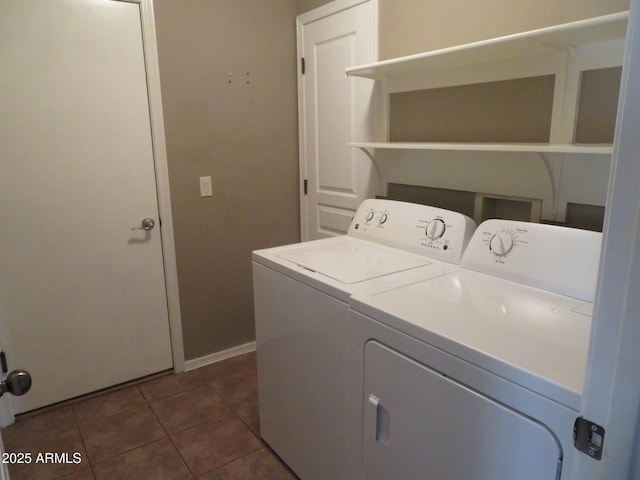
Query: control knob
435, 229
369, 216
383, 218
501, 244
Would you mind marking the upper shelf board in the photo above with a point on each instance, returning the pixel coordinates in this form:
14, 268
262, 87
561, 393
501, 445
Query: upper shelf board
594, 149
558, 37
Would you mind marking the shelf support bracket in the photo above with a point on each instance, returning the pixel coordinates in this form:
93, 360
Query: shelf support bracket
368, 153
552, 180
376, 166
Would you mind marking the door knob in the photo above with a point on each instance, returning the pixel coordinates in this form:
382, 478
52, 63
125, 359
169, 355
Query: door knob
17, 383
146, 224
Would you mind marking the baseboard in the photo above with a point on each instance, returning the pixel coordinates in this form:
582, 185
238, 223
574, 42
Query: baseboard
219, 356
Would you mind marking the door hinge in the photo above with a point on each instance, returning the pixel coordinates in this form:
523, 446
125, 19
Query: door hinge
302, 65
304, 186
588, 437
3, 362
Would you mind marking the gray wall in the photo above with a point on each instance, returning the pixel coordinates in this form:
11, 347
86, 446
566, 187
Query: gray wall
228, 77
306, 5
414, 26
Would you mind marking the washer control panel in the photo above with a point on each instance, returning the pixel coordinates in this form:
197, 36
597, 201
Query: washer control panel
430, 231
558, 259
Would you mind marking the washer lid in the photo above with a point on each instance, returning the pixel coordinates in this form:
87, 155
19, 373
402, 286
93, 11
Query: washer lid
352, 260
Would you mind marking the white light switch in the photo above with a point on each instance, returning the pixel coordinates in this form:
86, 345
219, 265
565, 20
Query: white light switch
206, 190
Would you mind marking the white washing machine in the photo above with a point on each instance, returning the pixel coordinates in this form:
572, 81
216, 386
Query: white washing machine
477, 374
301, 300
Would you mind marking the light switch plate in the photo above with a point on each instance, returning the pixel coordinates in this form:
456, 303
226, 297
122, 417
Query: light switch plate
206, 190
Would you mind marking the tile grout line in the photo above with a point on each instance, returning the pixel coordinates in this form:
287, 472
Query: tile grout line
188, 389
84, 445
94, 463
262, 443
234, 460
209, 383
209, 420
193, 475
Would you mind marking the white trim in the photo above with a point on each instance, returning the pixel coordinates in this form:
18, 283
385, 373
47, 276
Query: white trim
577, 148
549, 63
219, 356
302, 164
330, 9
4, 467
162, 181
554, 38
611, 395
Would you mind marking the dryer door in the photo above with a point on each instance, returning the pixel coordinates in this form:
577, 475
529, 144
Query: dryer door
420, 424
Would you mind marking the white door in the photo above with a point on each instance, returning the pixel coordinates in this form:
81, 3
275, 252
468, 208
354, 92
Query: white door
333, 111
82, 295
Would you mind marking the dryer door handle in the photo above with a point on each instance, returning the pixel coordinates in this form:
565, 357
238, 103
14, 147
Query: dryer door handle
378, 421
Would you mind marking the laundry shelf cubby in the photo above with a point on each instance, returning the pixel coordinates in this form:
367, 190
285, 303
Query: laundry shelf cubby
560, 52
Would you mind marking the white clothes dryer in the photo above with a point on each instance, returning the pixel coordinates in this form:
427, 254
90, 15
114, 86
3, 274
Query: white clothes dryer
301, 300
477, 374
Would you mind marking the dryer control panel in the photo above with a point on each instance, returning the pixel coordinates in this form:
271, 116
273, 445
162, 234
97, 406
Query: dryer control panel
434, 232
558, 259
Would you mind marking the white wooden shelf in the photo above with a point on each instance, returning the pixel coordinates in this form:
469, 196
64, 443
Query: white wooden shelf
564, 37
595, 149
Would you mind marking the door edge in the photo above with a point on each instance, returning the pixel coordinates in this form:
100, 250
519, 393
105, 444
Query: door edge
162, 183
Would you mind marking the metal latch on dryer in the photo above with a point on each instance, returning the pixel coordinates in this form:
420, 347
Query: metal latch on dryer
588, 437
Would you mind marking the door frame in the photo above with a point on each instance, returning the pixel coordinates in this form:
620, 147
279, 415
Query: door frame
611, 395
162, 179
302, 20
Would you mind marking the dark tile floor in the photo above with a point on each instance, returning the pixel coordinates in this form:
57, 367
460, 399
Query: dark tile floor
202, 424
